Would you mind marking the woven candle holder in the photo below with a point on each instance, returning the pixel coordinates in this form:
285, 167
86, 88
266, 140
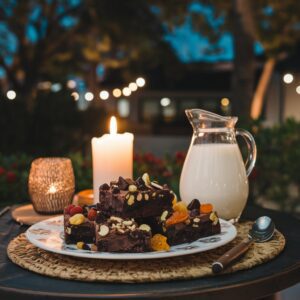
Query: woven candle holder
51, 184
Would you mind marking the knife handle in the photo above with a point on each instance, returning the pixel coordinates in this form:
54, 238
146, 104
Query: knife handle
231, 255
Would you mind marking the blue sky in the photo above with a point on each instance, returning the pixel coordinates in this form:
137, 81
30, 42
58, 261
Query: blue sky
191, 46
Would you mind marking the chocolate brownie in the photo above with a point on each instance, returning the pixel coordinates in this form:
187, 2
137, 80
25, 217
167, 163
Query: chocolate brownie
135, 199
79, 224
189, 228
122, 235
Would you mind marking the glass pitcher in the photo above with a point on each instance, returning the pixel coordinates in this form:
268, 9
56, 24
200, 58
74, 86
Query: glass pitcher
214, 171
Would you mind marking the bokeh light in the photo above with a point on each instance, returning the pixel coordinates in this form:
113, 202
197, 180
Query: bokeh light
11, 94
75, 95
126, 91
104, 95
225, 101
89, 96
117, 93
140, 82
165, 102
298, 89
71, 84
288, 78
133, 86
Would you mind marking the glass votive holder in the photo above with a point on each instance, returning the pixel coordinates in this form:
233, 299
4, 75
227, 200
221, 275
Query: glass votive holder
51, 184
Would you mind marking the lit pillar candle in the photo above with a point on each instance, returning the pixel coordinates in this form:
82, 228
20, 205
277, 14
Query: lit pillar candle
112, 157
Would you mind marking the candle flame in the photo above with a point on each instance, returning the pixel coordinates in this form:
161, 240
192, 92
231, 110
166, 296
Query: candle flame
113, 125
52, 189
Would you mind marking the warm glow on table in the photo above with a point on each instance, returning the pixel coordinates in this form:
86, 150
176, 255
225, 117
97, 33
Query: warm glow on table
112, 157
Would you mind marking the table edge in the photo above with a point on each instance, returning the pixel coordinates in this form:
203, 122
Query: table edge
293, 271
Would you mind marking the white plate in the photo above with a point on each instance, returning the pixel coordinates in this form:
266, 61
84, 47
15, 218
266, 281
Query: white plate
49, 235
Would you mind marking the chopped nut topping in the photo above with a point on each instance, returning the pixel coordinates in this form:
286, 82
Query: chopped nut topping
145, 227
68, 230
146, 179
139, 197
213, 217
156, 185
104, 230
163, 216
132, 188
127, 223
120, 230
133, 227
146, 197
130, 200
127, 196
195, 225
196, 220
117, 219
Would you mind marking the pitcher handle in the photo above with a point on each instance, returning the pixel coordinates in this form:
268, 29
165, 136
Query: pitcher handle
251, 146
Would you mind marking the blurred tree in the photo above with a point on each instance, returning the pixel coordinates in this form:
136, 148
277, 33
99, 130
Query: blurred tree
51, 39
273, 23
38, 37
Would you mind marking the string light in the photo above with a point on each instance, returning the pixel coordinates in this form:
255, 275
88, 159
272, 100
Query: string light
71, 84
104, 95
88, 96
165, 102
140, 82
75, 95
133, 86
117, 93
288, 78
56, 87
11, 94
126, 91
225, 101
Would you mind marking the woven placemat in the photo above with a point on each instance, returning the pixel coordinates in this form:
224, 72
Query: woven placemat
24, 254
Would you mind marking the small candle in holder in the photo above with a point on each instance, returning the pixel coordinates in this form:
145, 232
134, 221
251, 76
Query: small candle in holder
112, 157
51, 184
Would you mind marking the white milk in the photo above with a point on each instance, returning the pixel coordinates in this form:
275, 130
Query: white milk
215, 173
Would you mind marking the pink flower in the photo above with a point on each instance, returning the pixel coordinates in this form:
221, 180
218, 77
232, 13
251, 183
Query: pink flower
167, 173
2, 171
180, 157
11, 177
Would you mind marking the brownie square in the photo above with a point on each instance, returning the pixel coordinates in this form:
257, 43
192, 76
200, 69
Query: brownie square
83, 232
135, 199
122, 235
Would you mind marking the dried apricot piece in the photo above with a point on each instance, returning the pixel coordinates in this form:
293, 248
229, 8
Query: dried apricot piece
180, 206
159, 243
206, 208
177, 217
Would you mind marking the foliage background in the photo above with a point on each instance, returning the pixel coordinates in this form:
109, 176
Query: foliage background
274, 181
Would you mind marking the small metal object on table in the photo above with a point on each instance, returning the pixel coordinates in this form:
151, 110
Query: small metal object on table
258, 282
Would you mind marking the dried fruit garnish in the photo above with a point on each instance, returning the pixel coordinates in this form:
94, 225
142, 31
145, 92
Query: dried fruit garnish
92, 214
159, 243
180, 206
206, 208
77, 219
177, 217
76, 210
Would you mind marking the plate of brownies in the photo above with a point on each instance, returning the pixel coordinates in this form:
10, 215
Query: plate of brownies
134, 219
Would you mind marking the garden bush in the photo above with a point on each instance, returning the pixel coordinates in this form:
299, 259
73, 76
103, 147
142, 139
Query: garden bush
275, 180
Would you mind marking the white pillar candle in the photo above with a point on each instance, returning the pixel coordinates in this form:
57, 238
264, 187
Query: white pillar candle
112, 157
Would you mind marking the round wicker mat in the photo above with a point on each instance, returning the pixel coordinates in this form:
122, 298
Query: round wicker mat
24, 254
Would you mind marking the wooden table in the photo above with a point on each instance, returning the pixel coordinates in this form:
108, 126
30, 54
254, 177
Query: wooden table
261, 281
